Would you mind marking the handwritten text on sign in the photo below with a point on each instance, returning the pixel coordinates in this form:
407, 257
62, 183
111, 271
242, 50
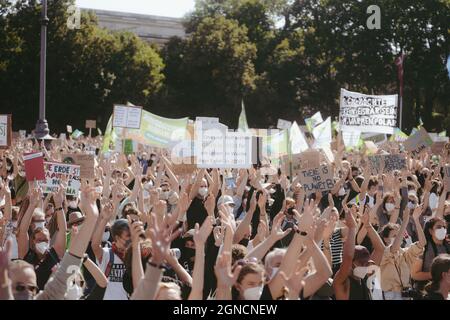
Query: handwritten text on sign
55, 172
317, 179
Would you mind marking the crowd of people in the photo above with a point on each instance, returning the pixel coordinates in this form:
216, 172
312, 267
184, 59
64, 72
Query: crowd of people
141, 230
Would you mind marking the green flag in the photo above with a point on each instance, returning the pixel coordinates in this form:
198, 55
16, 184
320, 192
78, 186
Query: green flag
76, 134
243, 125
276, 145
128, 146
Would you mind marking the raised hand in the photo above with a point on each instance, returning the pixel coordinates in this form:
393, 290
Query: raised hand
108, 211
88, 199
210, 204
202, 233
307, 218
161, 236
277, 233
137, 231
350, 220
219, 233
262, 201
294, 283
262, 231
417, 211
225, 278
5, 257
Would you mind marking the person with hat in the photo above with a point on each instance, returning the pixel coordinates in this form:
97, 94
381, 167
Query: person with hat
76, 219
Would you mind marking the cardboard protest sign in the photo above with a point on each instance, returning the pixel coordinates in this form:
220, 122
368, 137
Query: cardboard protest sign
389, 162
418, 142
5, 131
69, 129
127, 117
283, 124
182, 166
91, 124
367, 113
371, 147
23, 134
85, 161
55, 172
438, 147
310, 158
317, 179
34, 166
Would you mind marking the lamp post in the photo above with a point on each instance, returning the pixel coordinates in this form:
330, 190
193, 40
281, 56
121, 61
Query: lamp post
42, 131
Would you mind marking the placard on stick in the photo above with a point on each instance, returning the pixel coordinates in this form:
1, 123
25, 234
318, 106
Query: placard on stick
389, 162
127, 117
91, 124
5, 131
69, 129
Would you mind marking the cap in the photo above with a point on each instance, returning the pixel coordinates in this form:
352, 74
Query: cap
75, 217
225, 200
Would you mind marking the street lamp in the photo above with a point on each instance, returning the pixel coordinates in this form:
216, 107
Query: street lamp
42, 131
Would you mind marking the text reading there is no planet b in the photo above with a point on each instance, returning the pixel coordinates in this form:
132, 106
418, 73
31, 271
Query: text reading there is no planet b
366, 113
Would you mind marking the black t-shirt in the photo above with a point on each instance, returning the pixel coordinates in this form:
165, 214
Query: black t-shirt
97, 293
433, 296
196, 213
43, 267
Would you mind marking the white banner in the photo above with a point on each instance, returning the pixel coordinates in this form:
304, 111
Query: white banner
367, 113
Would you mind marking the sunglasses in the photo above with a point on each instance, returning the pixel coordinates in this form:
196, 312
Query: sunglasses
22, 287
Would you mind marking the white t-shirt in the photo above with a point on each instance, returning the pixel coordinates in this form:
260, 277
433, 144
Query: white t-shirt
114, 290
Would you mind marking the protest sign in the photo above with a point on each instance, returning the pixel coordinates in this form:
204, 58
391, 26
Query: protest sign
76, 134
85, 161
232, 150
69, 129
418, 142
370, 147
207, 120
297, 139
91, 124
34, 166
23, 134
387, 163
127, 116
157, 131
283, 124
367, 113
317, 179
351, 138
313, 121
56, 172
5, 131
276, 145
438, 147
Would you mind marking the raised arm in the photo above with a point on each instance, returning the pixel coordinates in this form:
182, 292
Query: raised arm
6, 193
377, 243
243, 226
22, 237
196, 185
107, 213
60, 241
420, 234
96, 273
198, 274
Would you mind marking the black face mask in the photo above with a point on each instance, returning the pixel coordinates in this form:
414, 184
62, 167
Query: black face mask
187, 254
244, 242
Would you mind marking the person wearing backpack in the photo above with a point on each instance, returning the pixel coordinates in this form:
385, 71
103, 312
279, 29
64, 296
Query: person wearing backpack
111, 260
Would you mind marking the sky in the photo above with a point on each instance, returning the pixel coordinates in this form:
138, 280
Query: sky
167, 8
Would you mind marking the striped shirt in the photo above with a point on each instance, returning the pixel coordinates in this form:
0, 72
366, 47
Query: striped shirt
336, 247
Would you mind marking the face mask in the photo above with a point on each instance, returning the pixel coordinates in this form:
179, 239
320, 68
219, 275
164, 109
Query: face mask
39, 224
271, 201
148, 185
173, 199
72, 204
360, 272
146, 194
203, 191
8, 168
23, 295
106, 236
274, 272
99, 189
433, 201
164, 195
341, 192
390, 206
253, 293
42, 247
22, 173
412, 193
411, 205
440, 233
74, 293
272, 191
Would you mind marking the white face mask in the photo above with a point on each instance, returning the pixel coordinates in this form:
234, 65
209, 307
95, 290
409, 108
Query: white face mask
274, 272
272, 191
40, 224
99, 189
173, 198
433, 201
42, 247
411, 205
440, 233
164, 195
74, 292
341, 192
203, 191
253, 293
8, 168
146, 194
271, 201
390, 206
148, 185
389, 241
72, 204
106, 236
360, 272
